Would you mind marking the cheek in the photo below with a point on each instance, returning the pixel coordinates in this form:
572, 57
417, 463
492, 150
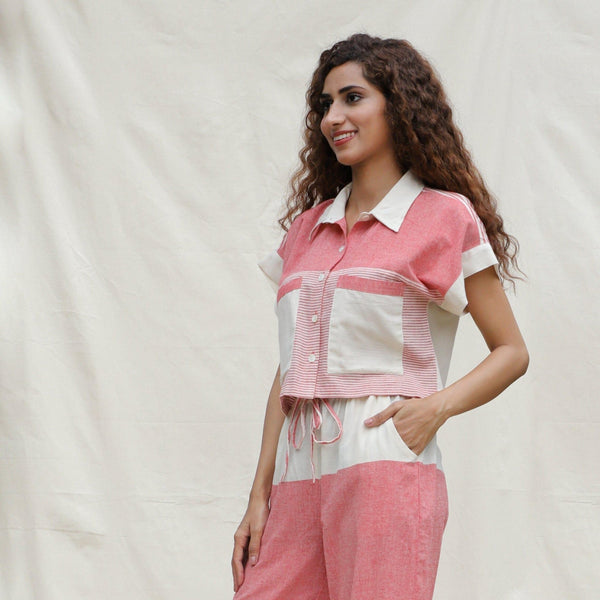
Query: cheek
322, 126
383, 130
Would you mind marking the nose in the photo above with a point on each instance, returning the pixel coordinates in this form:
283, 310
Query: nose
334, 115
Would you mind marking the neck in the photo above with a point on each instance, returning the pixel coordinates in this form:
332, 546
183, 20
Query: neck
371, 182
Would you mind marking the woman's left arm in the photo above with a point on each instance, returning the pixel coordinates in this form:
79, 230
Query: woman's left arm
418, 419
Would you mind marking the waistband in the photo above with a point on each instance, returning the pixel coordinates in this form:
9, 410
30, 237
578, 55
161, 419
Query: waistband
298, 414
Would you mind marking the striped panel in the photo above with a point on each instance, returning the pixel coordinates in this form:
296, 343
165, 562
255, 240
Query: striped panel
308, 377
385, 275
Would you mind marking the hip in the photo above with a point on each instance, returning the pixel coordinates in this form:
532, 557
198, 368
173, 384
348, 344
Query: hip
322, 436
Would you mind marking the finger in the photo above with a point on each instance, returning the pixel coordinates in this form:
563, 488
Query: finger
237, 561
237, 568
254, 547
382, 416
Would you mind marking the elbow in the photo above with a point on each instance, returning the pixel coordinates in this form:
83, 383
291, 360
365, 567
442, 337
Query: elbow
521, 361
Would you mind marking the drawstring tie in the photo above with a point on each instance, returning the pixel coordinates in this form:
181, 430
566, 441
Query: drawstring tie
299, 415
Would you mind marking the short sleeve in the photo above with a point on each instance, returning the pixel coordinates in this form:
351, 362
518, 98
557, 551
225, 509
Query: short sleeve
272, 264
470, 252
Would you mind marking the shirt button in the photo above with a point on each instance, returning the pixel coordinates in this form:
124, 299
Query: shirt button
341, 248
315, 318
321, 276
311, 358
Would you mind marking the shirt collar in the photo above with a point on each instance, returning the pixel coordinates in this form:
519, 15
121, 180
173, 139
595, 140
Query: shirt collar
390, 210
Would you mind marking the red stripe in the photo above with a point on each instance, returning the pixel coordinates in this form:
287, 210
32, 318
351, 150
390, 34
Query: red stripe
311, 380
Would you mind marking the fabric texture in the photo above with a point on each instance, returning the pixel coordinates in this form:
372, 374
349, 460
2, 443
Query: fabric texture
369, 525
146, 152
357, 311
356, 332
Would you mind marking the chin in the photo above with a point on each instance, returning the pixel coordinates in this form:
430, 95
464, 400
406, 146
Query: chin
347, 161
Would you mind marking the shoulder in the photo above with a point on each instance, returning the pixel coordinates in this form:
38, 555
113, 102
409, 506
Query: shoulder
300, 228
446, 219
445, 207
314, 212
307, 219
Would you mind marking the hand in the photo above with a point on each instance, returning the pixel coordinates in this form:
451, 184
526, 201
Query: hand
416, 419
250, 529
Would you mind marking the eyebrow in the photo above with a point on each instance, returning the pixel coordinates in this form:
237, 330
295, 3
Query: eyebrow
342, 90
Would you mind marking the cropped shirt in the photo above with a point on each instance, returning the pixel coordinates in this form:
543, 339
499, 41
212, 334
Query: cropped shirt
374, 311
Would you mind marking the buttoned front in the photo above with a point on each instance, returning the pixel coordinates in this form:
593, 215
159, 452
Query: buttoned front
374, 311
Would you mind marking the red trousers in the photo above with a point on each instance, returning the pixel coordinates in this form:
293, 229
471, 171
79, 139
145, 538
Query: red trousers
358, 515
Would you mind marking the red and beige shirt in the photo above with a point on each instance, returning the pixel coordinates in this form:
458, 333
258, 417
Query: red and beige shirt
374, 311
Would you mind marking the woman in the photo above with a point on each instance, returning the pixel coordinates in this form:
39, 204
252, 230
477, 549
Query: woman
393, 236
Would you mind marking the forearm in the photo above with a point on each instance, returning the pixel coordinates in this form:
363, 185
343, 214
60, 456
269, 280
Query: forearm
508, 358
274, 417
492, 376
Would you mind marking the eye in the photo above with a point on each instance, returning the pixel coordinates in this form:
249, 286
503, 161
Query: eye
324, 104
353, 97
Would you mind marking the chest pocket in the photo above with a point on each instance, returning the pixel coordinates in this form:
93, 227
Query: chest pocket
365, 331
288, 297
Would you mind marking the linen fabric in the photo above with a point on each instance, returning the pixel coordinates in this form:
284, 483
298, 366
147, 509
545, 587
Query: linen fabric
365, 318
370, 524
375, 310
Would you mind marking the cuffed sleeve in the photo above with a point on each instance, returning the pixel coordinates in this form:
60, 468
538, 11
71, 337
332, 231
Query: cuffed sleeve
478, 258
272, 266
472, 252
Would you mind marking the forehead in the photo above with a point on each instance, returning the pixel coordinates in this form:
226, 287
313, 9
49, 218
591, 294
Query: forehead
349, 73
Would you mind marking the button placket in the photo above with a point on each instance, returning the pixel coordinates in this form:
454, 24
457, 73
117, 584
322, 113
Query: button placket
312, 357
316, 358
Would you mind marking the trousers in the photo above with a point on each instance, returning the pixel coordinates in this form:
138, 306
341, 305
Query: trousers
354, 513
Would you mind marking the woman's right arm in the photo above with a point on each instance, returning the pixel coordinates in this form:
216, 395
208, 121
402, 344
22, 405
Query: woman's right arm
249, 533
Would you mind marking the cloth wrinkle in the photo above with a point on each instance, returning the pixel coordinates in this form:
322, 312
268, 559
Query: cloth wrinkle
299, 415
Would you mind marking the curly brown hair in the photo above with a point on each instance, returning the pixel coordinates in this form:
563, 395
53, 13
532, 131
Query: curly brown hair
425, 137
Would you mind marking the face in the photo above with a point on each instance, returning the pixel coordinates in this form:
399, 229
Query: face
354, 122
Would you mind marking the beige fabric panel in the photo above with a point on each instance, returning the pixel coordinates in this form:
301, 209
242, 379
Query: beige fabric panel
145, 151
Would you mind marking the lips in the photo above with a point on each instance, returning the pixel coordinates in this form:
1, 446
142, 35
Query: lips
342, 137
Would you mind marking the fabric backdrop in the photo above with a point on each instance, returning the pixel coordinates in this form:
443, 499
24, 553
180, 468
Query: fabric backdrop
145, 151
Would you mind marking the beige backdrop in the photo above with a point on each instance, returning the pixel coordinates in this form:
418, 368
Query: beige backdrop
145, 150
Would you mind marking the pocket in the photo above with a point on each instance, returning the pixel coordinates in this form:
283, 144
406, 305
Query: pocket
365, 331
397, 439
288, 297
